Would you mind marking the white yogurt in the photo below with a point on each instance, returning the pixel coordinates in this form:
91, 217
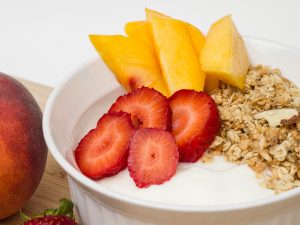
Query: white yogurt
196, 184
215, 183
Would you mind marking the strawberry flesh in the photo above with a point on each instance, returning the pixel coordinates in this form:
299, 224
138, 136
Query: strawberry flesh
153, 157
104, 150
148, 108
195, 123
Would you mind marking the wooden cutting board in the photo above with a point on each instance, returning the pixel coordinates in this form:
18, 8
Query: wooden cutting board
54, 185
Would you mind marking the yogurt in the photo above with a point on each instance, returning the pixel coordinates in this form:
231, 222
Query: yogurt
216, 183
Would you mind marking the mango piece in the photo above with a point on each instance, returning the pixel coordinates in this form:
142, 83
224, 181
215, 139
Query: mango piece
198, 41
211, 84
131, 60
178, 59
196, 36
224, 55
140, 30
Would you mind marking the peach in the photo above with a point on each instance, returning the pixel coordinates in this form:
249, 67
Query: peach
22, 147
224, 55
178, 59
131, 60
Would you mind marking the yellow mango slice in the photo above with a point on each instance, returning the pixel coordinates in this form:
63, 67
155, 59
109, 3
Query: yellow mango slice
196, 36
140, 30
178, 59
224, 55
198, 41
131, 60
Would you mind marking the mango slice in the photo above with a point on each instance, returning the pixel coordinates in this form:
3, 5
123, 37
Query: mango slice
131, 60
224, 55
198, 41
196, 36
140, 30
178, 59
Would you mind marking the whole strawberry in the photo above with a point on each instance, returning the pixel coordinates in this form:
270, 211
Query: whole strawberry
63, 215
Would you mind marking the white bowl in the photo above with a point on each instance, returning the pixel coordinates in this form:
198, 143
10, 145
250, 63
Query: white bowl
98, 205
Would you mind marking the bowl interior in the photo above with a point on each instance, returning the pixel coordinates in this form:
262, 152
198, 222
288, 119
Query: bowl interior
83, 89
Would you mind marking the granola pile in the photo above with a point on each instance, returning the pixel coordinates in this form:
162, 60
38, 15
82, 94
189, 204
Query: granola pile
273, 152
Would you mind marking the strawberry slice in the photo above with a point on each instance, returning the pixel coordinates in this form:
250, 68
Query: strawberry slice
153, 157
104, 150
195, 123
148, 108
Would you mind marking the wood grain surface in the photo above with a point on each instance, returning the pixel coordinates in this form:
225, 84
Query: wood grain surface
54, 185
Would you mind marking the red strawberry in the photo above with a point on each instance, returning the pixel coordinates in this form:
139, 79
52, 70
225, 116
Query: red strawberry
61, 216
51, 220
148, 108
153, 157
104, 150
195, 123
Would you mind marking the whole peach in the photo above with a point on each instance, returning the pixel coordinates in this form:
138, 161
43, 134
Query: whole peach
23, 152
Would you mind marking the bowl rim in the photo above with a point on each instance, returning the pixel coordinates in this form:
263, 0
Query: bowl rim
90, 184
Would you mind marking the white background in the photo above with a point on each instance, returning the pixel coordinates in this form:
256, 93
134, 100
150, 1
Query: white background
44, 41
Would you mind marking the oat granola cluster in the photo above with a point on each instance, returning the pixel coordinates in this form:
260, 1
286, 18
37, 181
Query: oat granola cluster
272, 152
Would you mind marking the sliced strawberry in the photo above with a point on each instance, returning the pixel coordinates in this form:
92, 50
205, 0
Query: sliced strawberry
104, 150
195, 123
148, 108
153, 157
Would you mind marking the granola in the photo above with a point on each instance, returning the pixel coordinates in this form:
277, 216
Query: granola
273, 152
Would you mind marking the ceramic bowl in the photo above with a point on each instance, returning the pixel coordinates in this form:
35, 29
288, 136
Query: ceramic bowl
98, 205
